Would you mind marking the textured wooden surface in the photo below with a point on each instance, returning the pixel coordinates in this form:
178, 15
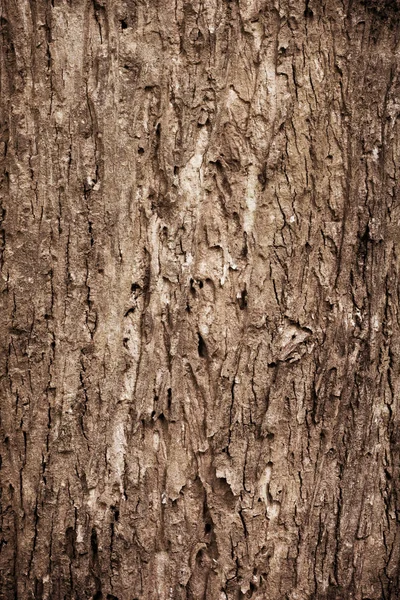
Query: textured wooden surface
200, 350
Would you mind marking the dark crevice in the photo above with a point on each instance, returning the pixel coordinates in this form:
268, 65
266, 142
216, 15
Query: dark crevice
94, 543
243, 299
70, 540
202, 348
308, 13
169, 396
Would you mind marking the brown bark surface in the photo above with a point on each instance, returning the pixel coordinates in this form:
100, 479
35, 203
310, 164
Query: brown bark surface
200, 348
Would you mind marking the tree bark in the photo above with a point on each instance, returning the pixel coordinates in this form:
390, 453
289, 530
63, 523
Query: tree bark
200, 349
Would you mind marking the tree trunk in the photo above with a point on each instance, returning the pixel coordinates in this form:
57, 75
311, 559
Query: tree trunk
200, 349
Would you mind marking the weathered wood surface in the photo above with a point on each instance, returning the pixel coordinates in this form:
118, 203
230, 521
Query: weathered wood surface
200, 350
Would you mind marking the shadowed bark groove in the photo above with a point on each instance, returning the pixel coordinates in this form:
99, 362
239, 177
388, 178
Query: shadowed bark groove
199, 252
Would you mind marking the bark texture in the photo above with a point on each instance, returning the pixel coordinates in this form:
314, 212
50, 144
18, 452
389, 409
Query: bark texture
200, 346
